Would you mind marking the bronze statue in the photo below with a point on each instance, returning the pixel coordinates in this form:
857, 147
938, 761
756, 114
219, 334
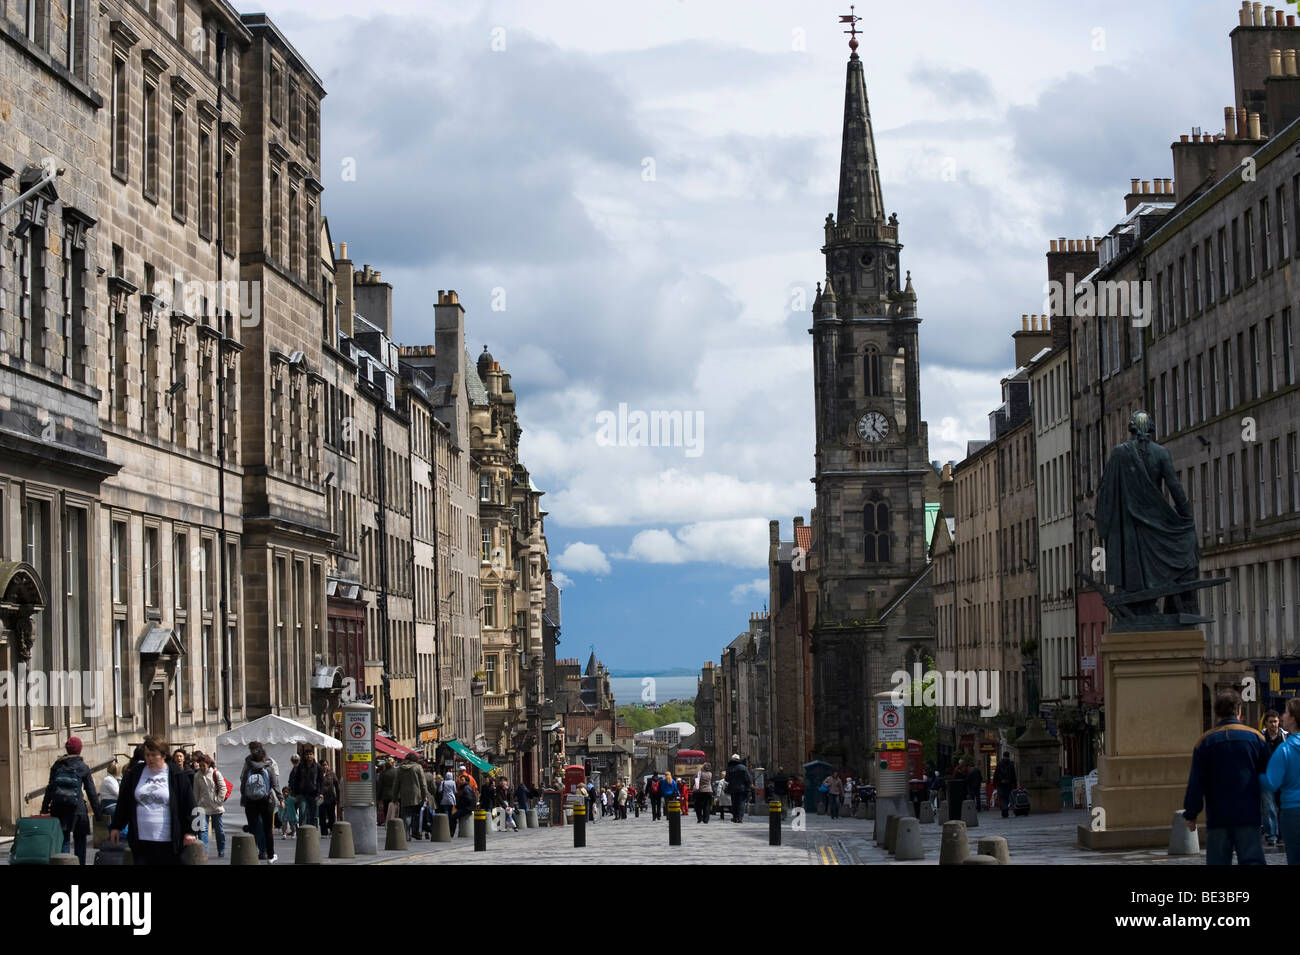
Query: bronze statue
1151, 550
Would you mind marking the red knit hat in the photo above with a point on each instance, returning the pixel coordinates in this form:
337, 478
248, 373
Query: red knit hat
73, 746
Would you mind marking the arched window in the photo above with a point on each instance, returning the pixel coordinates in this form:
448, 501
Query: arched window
871, 371
875, 526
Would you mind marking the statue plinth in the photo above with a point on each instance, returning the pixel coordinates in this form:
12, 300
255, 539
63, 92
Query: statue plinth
1153, 721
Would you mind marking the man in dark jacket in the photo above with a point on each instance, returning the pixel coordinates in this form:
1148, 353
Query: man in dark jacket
1226, 765
781, 790
1004, 778
68, 777
739, 785
975, 785
305, 787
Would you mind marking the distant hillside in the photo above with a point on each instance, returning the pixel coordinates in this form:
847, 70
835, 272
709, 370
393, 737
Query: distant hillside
675, 671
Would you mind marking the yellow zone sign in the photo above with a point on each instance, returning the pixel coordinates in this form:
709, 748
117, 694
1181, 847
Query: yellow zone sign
898, 745
359, 758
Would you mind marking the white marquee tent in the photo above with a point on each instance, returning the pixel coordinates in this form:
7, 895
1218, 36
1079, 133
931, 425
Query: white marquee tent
279, 737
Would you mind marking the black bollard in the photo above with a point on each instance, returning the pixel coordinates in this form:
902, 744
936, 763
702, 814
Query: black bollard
579, 827
674, 822
480, 830
774, 823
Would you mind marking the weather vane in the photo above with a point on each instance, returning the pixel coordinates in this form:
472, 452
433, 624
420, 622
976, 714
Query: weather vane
852, 31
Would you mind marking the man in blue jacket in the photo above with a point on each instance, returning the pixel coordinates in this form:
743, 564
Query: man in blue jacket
1226, 765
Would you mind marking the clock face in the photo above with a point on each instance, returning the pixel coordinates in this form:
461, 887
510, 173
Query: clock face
873, 426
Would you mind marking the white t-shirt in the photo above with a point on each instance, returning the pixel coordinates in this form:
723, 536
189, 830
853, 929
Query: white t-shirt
152, 806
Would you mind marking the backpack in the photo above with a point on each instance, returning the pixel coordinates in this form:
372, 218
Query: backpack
654, 787
66, 785
37, 838
257, 785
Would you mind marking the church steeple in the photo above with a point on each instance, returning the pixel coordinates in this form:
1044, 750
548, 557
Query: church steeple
860, 196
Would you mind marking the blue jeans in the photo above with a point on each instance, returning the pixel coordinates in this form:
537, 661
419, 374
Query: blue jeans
1223, 839
1291, 835
214, 823
1268, 813
306, 810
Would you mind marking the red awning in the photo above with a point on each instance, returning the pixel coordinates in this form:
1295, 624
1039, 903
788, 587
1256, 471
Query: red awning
390, 747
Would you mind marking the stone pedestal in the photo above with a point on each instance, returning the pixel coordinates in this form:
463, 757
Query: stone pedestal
1153, 720
1038, 767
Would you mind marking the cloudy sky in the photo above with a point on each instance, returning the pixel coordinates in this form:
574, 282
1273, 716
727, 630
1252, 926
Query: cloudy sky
629, 199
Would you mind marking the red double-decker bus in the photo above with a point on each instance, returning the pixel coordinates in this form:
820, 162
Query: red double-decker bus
687, 763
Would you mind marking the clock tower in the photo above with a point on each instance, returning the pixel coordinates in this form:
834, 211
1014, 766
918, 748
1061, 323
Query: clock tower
873, 478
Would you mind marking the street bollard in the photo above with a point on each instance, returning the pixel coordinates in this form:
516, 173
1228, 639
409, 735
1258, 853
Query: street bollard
64, 858
306, 850
674, 822
196, 853
480, 830
441, 828
954, 848
774, 823
243, 849
530, 818
342, 845
579, 826
395, 835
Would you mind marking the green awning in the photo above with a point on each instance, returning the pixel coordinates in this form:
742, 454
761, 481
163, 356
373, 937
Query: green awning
465, 753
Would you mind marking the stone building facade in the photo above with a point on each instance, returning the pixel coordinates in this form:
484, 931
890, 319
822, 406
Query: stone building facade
1220, 370
286, 529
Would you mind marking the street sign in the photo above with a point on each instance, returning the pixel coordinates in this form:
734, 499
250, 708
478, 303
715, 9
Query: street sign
358, 754
889, 724
897, 760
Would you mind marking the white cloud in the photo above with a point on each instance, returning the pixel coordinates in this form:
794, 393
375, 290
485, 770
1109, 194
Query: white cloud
740, 543
561, 579
741, 592
583, 559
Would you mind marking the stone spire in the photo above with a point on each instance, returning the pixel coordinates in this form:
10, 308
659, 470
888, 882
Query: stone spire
860, 195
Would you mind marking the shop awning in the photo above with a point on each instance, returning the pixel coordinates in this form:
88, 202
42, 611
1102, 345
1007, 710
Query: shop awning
467, 754
390, 747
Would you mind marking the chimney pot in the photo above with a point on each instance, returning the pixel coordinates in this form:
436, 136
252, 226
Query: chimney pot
1288, 63
1257, 14
1229, 122
1146, 187
1024, 323
1184, 137
1290, 20
343, 250
1242, 129
1281, 18
1274, 62
1253, 127
1268, 15
1133, 186
1052, 245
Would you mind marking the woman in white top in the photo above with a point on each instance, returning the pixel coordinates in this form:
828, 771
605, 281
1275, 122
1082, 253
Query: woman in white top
157, 801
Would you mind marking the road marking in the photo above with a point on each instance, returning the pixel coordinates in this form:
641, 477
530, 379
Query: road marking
828, 856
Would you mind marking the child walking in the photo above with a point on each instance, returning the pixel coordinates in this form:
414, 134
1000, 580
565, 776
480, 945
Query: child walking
288, 815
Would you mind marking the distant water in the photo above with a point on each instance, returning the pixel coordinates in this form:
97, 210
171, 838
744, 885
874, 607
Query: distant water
630, 689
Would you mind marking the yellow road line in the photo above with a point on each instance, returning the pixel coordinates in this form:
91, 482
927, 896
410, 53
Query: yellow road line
828, 856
